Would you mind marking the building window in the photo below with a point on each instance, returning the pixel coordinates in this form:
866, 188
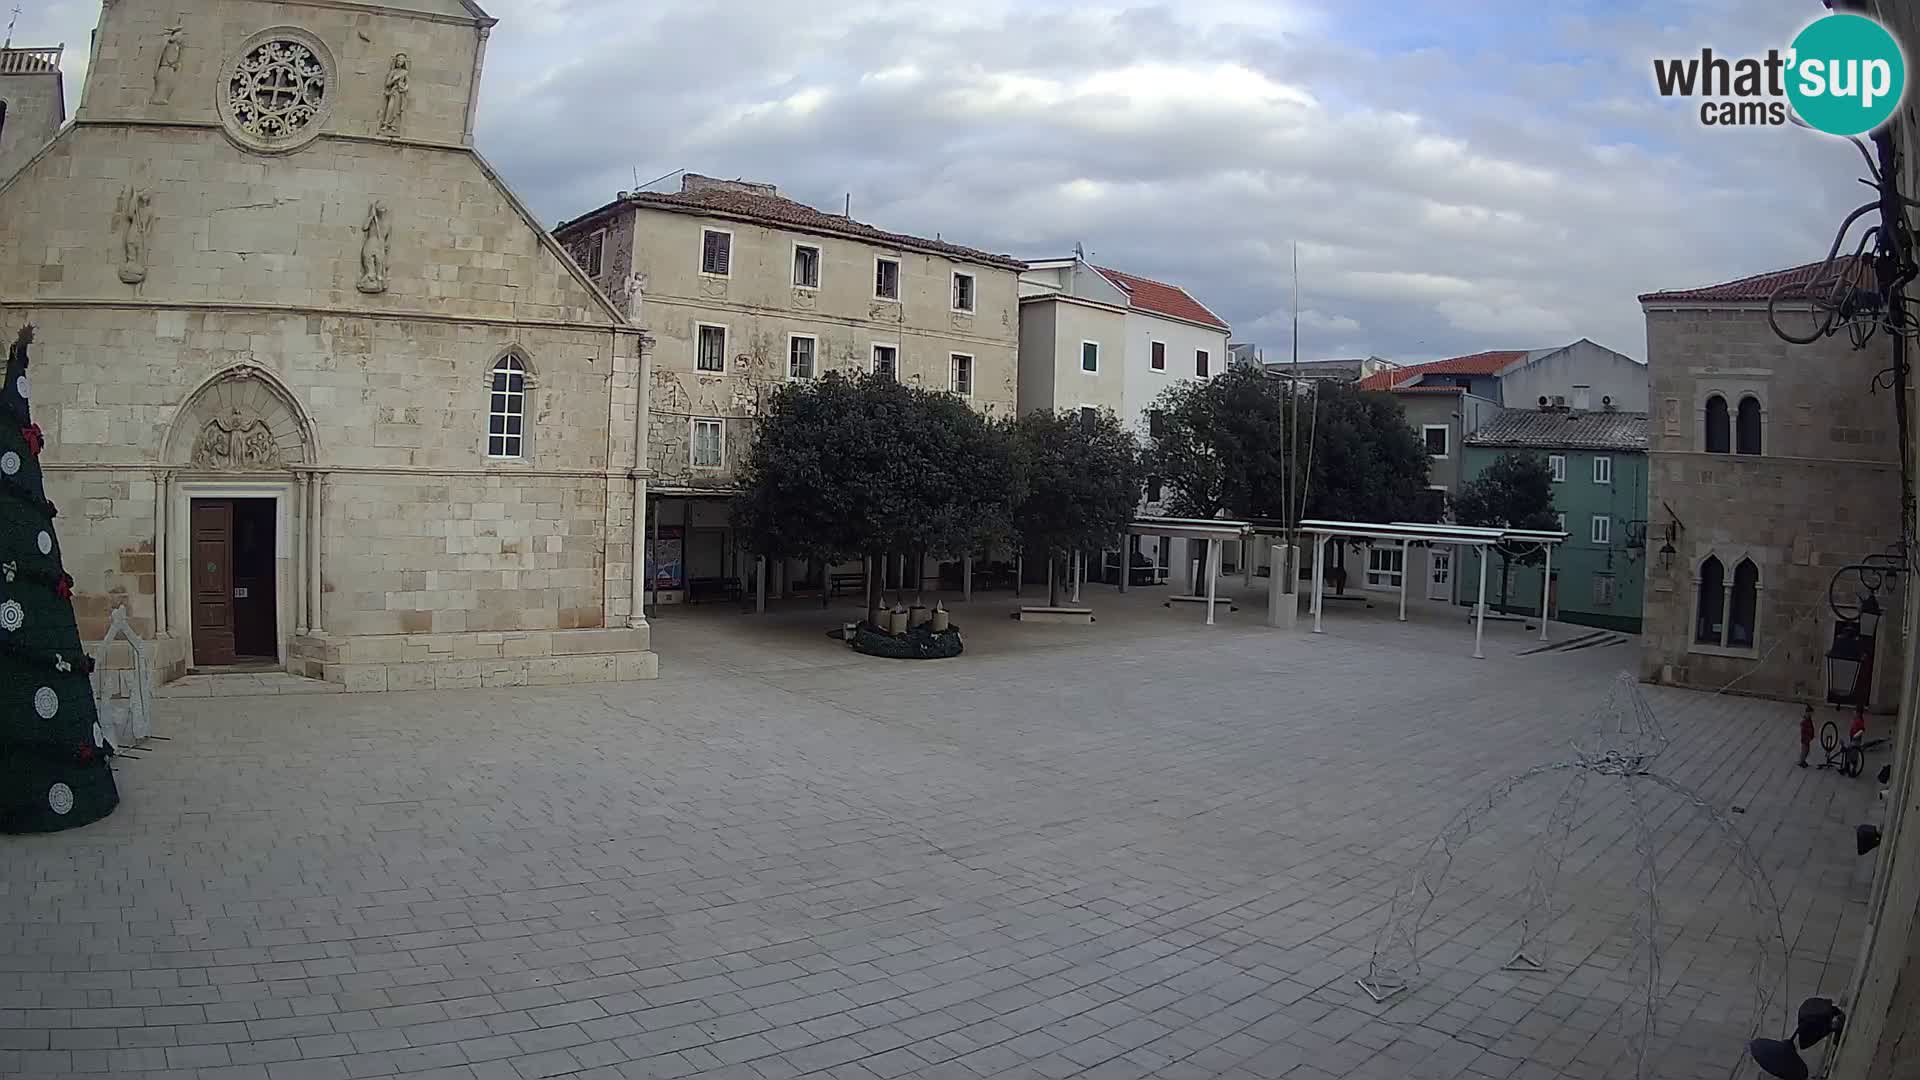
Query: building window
1385, 566
1159, 356
1743, 605
1436, 437
1746, 428
1583, 397
806, 266
963, 292
1726, 613
800, 356
961, 377
507, 410
1089, 417
1156, 423
1603, 590
588, 251
711, 353
1560, 522
1719, 431
1600, 531
709, 444
1200, 359
886, 361
1603, 470
716, 252
1153, 489
886, 279
1557, 467
1708, 627
1090, 356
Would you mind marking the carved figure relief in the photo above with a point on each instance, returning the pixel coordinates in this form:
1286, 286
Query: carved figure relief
395, 105
132, 221
631, 291
237, 442
373, 249
167, 71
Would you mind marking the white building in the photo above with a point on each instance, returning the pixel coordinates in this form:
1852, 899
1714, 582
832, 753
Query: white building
1099, 338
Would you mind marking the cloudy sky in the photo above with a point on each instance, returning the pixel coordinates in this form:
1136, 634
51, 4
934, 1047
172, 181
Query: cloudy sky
1458, 176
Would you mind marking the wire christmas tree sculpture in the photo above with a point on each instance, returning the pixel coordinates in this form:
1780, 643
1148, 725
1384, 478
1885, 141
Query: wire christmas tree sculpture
54, 772
1619, 743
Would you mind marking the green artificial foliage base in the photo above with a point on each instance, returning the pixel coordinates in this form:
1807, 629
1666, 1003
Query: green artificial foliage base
922, 642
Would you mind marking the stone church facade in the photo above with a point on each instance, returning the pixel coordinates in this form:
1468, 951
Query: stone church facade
318, 391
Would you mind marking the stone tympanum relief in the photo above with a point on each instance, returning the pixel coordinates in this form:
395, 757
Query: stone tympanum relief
236, 442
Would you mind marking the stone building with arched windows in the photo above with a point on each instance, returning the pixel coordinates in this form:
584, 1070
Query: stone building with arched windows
318, 391
1771, 467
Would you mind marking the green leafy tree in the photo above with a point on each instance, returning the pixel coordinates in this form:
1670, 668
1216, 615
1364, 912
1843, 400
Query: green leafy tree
1080, 478
1224, 444
1515, 492
53, 755
846, 468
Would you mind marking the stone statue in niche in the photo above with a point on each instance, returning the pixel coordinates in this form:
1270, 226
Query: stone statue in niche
396, 95
132, 221
373, 249
167, 71
631, 291
237, 442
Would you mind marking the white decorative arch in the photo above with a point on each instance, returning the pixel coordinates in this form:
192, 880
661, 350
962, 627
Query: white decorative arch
242, 418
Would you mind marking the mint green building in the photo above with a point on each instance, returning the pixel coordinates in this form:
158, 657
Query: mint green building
1599, 465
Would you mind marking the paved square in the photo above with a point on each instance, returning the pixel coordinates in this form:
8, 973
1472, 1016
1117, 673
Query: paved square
1147, 848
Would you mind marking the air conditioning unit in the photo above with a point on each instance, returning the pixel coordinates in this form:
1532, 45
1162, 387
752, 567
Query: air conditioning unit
1543, 401
1559, 401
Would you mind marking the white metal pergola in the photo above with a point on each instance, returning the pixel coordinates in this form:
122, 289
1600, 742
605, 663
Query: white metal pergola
1408, 532
1215, 532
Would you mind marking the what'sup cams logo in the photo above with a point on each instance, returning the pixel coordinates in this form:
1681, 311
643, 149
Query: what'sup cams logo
1844, 75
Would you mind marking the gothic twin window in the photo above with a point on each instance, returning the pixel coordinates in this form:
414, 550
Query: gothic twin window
1725, 611
1735, 430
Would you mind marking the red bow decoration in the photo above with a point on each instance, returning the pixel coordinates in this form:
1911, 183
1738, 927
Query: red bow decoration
64, 587
85, 755
34, 439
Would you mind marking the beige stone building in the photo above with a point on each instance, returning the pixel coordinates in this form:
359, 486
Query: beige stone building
745, 290
318, 391
33, 104
1771, 468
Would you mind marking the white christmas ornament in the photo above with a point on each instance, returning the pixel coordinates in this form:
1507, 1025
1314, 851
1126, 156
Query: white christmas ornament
59, 798
12, 616
9, 463
45, 541
20, 384
46, 702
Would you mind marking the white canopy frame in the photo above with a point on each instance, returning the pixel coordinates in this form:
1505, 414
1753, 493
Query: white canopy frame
1213, 531
1410, 532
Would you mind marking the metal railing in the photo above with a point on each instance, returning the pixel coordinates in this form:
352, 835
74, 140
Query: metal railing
30, 61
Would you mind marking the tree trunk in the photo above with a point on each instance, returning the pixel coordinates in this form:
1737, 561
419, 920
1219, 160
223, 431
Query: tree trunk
1505, 567
875, 568
1339, 568
1053, 580
919, 577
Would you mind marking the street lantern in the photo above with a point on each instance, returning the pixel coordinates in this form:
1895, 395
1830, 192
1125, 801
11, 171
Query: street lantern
1850, 660
1667, 552
1870, 616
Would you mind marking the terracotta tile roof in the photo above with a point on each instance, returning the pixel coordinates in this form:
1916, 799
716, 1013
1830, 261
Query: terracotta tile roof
1759, 287
785, 213
1480, 363
1162, 298
1556, 430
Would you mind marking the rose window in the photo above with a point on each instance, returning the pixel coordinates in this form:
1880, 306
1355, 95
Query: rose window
276, 90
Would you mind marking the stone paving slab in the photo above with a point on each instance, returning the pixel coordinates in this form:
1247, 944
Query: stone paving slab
1158, 849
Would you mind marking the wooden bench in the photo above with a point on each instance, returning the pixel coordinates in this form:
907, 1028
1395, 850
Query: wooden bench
727, 587
847, 581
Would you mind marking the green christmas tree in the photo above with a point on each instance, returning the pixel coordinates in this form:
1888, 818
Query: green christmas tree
53, 756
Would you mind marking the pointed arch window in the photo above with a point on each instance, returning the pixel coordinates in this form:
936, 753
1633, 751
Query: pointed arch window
1726, 606
1709, 623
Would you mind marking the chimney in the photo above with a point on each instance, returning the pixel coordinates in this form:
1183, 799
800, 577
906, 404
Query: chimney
692, 182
